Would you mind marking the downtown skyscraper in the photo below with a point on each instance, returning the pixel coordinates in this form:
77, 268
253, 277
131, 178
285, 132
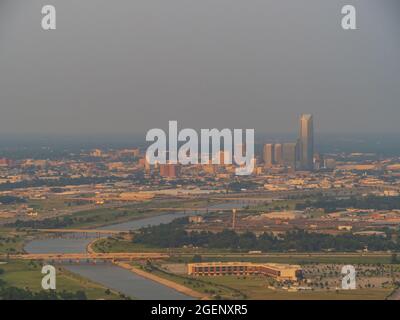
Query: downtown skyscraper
269, 155
306, 142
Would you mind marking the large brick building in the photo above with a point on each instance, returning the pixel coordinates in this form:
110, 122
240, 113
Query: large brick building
280, 272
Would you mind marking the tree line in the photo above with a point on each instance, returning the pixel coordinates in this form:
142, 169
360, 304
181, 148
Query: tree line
48, 223
174, 235
370, 202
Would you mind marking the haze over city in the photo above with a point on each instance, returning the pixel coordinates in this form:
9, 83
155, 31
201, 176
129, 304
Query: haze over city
205, 64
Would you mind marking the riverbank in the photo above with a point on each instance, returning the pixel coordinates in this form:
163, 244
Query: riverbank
173, 285
113, 276
89, 247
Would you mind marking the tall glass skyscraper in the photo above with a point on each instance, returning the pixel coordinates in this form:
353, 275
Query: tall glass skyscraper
306, 142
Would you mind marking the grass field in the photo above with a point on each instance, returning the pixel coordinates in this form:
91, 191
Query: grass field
123, 245
101, 216
116, 245
49, 204
274, 205
105, 216
11, 241
27, 275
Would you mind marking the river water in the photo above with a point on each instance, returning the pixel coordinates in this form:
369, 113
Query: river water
109, 275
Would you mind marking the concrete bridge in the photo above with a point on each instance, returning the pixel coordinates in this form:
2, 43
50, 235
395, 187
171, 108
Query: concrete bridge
87, 256
95, 231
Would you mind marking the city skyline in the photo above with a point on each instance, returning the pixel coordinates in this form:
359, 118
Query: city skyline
199, 152
295, 155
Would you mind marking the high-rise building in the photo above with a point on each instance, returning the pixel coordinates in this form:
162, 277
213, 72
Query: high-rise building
169, 170
289, 154
306, 142
268, 155
318, 161
278, 153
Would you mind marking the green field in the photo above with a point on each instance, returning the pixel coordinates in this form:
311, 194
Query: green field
12, 242
274, 205
27, 275
102, 216
117, 245
50, 204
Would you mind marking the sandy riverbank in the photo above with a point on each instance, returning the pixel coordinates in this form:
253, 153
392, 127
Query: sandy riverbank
165, 282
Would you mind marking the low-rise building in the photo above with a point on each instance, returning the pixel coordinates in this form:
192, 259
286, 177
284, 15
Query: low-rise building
280, 272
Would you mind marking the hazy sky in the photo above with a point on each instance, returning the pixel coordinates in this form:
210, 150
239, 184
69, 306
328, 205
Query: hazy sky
126, 66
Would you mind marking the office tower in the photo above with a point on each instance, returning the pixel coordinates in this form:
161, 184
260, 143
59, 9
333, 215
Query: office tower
164, 170
306, 142
169, 170
268, 155
278, 153
289, 154
174, 170
318, 161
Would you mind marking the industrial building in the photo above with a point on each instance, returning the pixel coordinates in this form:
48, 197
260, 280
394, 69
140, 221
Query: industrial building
280, 272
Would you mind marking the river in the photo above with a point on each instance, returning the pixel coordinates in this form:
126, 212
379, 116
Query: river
109, 275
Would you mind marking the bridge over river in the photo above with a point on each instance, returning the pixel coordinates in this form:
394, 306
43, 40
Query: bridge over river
94, 231
88, 256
